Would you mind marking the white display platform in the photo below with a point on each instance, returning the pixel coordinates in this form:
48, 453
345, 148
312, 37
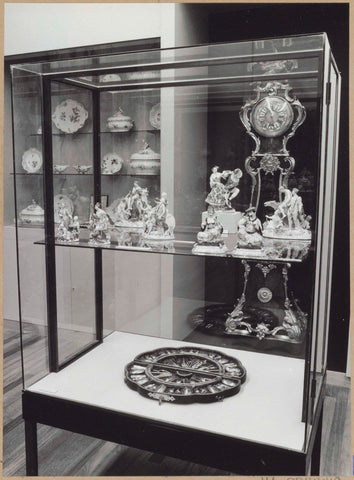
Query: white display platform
266, 410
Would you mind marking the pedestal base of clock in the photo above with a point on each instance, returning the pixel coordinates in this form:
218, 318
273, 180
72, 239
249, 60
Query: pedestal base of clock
228, 219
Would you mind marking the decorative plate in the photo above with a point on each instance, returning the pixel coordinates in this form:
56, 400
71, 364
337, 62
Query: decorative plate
69, 116
58, 199
111, 163
155, 116
32, 160
185, 375
109, 77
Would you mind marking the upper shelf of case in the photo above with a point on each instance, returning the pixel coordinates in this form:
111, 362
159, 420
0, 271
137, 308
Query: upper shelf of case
296, 57
62, 134
185, 57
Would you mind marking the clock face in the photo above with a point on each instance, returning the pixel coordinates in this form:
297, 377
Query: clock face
272, 116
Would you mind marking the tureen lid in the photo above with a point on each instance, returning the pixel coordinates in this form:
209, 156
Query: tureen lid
146, 153
119, 115
33, 209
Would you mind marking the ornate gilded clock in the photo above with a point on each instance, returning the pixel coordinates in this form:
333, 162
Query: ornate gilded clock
185, 375
272, 116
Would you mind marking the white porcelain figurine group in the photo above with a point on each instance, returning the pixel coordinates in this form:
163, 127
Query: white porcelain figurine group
287, 222
135, 213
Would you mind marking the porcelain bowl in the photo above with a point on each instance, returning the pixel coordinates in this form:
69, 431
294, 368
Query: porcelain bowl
59, 168
82, 168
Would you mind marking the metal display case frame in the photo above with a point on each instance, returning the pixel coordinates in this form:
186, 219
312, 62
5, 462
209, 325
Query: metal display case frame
221, 451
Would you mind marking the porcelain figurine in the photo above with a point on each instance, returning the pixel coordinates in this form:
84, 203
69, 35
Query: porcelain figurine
250, 230
75, 229
288, 220
159, 223
209, 239
98, 226
223, 188
131, 210
63, 233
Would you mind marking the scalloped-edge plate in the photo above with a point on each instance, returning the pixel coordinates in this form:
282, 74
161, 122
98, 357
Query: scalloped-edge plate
32, 160
69, 116
111, 163
155, 116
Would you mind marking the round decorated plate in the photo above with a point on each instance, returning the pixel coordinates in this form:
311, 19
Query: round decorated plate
69, 116
32, 160
185, 375
111, 163
58, 199
155, 116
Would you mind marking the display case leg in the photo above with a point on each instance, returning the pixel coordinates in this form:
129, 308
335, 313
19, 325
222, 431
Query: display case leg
316, 451
31, 448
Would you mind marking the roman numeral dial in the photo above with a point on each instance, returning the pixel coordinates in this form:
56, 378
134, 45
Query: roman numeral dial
272, 116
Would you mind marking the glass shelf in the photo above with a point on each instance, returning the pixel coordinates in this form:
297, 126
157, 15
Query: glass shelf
63, 134
135, 243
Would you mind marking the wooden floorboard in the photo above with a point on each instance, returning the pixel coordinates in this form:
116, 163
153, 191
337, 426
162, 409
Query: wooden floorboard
64, 453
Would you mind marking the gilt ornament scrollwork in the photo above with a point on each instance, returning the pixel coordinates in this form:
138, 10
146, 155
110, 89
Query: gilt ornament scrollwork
266, 268
269, 163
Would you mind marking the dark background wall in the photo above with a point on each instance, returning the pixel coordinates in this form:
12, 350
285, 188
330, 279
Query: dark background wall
230, 22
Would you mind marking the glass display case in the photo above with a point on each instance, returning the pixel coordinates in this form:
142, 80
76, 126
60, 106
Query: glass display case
175, 221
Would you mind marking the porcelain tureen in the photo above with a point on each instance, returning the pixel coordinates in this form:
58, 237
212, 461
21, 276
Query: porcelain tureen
146, 161
32, 214
120, 122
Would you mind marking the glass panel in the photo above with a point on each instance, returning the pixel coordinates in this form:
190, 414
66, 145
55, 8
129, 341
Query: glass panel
209, 52
29, 214
73, 186
190, 299
157, 302
76, 300
329, 172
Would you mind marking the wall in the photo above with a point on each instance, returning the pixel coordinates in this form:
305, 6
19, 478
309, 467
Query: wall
76, 24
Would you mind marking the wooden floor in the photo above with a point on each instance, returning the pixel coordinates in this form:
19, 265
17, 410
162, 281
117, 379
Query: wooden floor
63, 453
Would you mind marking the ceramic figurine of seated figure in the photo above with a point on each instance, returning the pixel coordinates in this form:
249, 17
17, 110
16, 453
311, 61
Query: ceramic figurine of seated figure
289, 220
159, 223
98, 226
250, 230
132, 209
209, 239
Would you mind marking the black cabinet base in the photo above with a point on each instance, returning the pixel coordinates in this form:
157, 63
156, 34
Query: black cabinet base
218, 451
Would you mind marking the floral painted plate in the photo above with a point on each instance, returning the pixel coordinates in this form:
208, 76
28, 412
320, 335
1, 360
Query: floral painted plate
32, 160
155, 116
69, 116
111, 163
